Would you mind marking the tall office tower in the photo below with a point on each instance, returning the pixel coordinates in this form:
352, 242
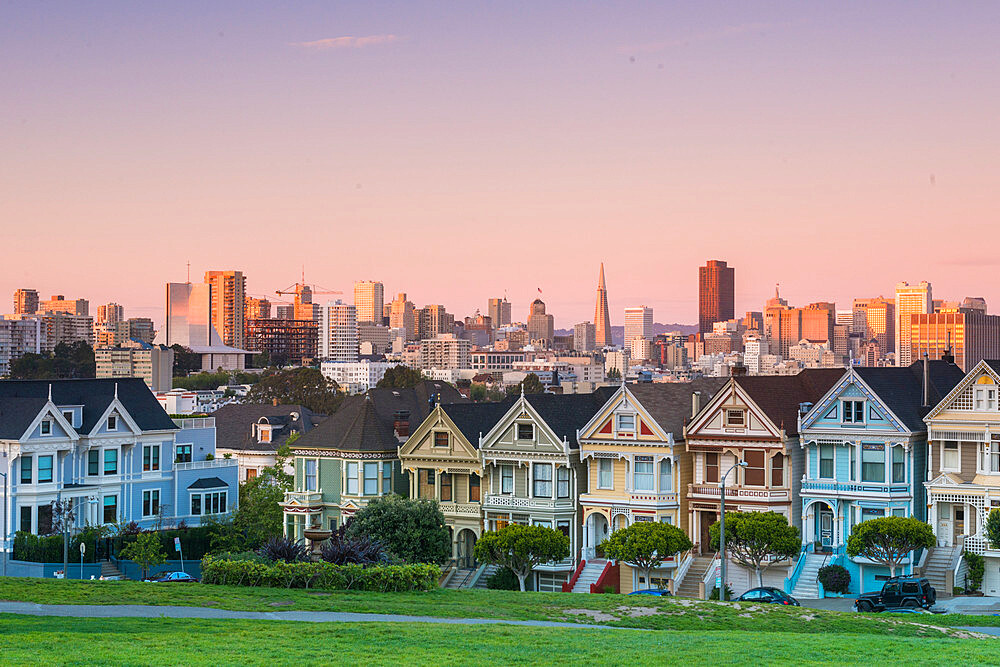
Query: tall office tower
638, 324
716, 293
338, 331
583, 337
910, 300
304, 308
845, 317
189, 315
817, 322
25, 301
135, 328
256, 309
109, 314
874, 319
59, 304
433, 321
541, 327
499, 312
228, 305
602, 317
970, 334
369, 300
284, 312
402, 315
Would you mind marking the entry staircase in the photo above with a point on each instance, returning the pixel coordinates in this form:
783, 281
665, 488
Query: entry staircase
488, 571
940, 568
460, 578
108, 569
807, 586
589, 575
688, 586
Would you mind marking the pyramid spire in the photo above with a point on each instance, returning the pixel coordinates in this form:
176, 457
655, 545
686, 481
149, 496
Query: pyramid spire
600, 280
602, 319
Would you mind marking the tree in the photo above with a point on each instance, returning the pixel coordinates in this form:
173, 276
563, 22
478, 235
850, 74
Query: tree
757, 540
522, 548
298, 386
67, 360
259, 516
530, 384
993, 528
146, 551
413, 530
400, 377
185, 361
613, 375
889, 539
646, 544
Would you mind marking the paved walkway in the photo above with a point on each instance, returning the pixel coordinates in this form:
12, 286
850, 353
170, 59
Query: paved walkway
151, 611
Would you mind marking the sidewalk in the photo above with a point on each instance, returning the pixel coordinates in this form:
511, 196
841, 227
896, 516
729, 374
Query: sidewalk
955, 605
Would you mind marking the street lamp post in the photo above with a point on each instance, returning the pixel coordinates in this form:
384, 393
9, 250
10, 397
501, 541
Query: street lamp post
4, 522
722, 528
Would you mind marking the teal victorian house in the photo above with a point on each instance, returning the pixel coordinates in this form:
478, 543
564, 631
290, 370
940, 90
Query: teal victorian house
865, 446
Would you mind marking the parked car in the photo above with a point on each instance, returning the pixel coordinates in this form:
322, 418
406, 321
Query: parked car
907, 610
770, 595
113, 577
906, 592
172, 577
662, 592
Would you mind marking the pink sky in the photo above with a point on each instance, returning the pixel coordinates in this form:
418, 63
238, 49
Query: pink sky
459, 153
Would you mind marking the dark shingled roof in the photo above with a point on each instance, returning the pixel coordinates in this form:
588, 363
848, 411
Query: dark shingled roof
669, 403
779, 396
364, 423
234, 425
566, 413
473, 419
22, 400
902, 389
208, 483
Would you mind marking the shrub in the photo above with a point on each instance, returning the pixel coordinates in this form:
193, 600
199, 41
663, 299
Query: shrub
835, 578
49, 549
503, 579
715, 593
284, 549
977, 568
383, 578
414, 530
363, 550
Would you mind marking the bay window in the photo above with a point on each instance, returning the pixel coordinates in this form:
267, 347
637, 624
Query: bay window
507, 479
753, 473
542, 476
371, 479
351, 479
312, 476
872, 463
642, 473
44, 469
562, 482
898, 464
386, 478
826, 462
666, 476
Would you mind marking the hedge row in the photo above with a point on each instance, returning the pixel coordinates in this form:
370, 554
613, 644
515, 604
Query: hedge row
383, 578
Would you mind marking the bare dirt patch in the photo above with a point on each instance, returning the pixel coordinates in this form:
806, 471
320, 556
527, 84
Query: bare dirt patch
284, 603
595, 615
638, 612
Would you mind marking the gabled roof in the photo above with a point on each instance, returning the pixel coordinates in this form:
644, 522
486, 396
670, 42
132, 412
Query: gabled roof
475, 419
669, 403
234, 430
902, 389
779, 396
566, 413
22, 400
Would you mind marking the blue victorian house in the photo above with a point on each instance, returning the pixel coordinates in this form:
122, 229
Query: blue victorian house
865, 446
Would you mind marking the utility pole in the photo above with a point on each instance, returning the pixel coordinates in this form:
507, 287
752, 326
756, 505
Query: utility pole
722, 529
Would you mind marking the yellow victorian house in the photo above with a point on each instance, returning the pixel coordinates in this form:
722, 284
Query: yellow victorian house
638, 470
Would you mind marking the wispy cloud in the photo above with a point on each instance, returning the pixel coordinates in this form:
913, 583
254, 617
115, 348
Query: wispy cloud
346, 42
711, 35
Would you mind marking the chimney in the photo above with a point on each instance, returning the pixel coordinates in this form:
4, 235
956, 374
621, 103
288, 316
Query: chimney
695, 404
927, 382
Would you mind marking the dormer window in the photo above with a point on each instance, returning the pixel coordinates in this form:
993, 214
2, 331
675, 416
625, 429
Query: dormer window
854, 412
626, 422
46, 428
113, 423
525, 432
263, 433
985, 394
440, 438
68, 416
736, 418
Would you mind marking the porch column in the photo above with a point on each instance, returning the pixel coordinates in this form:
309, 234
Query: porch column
437, 485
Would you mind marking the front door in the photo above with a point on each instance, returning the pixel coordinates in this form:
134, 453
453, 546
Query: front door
959, 526
826, 528
707, 519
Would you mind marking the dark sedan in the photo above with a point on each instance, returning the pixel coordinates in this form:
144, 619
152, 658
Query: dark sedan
769, 595
173, 578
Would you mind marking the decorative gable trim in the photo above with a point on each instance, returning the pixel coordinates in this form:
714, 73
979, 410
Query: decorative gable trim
116, 407
50, 409
831, 400
519, 412
601, 426
966, 382
723, 401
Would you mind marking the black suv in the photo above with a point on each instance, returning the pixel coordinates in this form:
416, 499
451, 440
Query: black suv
906, 592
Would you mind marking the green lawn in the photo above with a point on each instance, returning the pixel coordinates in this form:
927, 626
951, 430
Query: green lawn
618, 610
52, 641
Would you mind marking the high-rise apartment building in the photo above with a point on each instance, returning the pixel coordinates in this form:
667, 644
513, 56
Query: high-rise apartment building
584, 336
969, 334
433, 321
402, 316
368, 301
445, 352
638, 324
284, 340
256, 309
817, 322
541, 327
60, 304
499, 312
25, 301
602, 316
20, 336
153, 363
109, 314
910, 300
716, 294
338, 331
228, 305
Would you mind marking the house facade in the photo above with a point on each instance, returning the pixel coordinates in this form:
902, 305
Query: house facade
637, 466
532, 472
107, 448
865, 445
252, 433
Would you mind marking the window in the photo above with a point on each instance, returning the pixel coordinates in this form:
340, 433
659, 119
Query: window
46, 427
986, 398
110, 509
826, 461
474, 483
196, 504
854, 412
667, 519
25, 518
525, 432
68, 416
899, 511
312, 474
605, 475
425, 483
386, 478
251, 473
854, 463
45, 519
94, 462
110, 461
666, 476
898, 464
150, 457
151, 502
44, 469
562, 482
872, 463
352, 479
264, 432
642, 473
735, 418
871, 513
563, 527
753, 474
992, 461
113, 423
440, 439
542, 475
543, 524
507, 479
626, 422
371, 479
211, 502
778, 470
445, 487
950, 458
712, 467
26, 469
183, 453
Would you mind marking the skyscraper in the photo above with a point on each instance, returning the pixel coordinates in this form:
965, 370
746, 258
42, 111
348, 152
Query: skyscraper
602, 318
228, 305
910, 300
25, 302
109, 314
402, 316
540, 326
716, 294
499, 312
338, 331
638, 324
368, 300
583, 337
60, 304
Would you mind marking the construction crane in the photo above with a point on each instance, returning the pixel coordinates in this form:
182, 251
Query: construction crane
297, 288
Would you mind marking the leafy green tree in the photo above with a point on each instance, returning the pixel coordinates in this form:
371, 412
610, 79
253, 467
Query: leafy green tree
522, 548
185, 361
613, 375
531, 385
757, 540
646, 544
413, 530
259, 516
993, 528
146, 551
298, 386
67, 360
400, 377
889, 540
261, 359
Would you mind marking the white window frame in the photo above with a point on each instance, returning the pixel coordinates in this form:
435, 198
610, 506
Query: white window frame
112, 422
536, 467
368, 465
741, 423
848, 414
205, 495
601, 464
504, 476
832, 459
151, 449
651, 475
348, 478
148, 495
669, 476
957, 453
45, 428
985, 398
563, 477
620, 422
311, 479
517, 432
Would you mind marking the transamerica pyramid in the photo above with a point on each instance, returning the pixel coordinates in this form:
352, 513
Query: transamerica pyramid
602, 321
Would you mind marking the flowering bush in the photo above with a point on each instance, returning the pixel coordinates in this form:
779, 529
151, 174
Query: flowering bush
835, 578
